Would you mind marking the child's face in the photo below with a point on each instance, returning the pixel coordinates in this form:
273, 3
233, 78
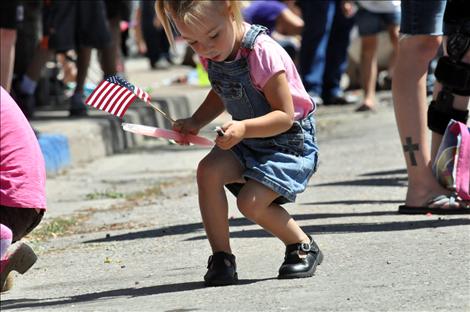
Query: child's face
213, 36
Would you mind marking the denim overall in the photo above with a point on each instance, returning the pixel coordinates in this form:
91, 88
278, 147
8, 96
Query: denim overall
283, 163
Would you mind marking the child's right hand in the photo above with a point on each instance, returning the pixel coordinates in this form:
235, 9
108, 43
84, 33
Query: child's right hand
186, 126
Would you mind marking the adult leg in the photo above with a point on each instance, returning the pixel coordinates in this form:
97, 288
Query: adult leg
150, 32
318, 17
336, 55
26, 87
110, 53
368, 71
7, 49
393, 33
409, 95
77, 104
216, 170
255, 202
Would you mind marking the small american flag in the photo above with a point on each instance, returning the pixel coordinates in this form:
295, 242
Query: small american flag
114, 95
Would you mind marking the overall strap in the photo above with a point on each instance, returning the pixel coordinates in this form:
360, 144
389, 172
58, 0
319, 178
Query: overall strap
249, 40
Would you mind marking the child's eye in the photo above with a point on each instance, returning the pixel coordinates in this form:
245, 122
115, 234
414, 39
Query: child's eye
192, 42
214, 36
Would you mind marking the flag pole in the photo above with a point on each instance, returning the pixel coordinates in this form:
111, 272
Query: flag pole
161, 112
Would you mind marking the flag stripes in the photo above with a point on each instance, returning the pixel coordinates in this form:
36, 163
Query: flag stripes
114, 95
111, 98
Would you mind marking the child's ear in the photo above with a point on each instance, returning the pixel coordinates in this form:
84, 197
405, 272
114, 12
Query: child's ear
229, 7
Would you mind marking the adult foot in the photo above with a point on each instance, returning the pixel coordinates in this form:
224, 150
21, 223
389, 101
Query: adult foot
441, 204
433, 199
365, 108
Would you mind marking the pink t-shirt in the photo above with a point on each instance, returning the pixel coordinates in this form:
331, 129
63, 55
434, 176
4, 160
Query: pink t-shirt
268, 58
22, 169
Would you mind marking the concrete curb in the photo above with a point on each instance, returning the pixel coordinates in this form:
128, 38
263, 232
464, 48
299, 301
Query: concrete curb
56, 152
67, 142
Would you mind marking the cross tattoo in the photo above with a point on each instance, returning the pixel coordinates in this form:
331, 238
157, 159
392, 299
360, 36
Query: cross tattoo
410, 148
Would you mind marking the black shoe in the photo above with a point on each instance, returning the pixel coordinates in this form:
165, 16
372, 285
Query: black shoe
297, 265
222, 270
80, 112
77, 106
26, 102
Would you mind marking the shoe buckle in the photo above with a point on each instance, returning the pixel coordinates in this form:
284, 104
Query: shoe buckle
305, 247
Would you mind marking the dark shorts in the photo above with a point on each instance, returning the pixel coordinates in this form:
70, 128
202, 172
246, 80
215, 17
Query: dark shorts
21, 221
118, 9
8, 14
422, 17
73, 24
371, 23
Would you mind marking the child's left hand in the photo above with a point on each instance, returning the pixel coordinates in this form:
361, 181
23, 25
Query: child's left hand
234, 133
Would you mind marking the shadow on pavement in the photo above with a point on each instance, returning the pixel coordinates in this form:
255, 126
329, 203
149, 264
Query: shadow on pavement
125, 292
356, 202
338, 228
199, 227
383, 173
384, 179
400, 181
355, 228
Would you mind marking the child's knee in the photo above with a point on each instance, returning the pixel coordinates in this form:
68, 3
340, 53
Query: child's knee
206, 171
249, 207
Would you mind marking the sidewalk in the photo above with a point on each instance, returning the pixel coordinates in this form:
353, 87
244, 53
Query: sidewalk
62, 139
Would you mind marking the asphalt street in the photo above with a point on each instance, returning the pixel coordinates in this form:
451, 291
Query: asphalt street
123, 233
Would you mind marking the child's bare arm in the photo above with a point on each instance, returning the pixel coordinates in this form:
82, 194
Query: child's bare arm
209, 109
279, 120
281, 117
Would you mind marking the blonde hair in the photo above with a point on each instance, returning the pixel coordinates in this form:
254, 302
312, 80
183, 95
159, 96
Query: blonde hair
189, 12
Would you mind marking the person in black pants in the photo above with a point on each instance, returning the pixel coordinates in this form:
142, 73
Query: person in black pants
154, 36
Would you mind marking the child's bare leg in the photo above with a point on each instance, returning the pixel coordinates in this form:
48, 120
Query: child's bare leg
255, 202
218, 168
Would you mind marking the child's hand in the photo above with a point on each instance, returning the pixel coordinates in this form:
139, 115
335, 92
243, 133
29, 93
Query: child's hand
234, 133
185, 126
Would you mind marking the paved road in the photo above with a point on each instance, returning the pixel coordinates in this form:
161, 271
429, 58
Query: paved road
128, 236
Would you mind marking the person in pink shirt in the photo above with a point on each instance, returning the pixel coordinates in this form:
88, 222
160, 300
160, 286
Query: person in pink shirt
267, 153
22, 188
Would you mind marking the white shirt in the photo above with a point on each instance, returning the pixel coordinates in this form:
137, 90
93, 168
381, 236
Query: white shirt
380, 6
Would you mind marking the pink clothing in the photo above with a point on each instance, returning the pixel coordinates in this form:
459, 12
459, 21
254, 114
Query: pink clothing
6, 236
22, 169
267, 59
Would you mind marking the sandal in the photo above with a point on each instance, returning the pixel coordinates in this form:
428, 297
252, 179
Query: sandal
222, 270
297, 264
437, 205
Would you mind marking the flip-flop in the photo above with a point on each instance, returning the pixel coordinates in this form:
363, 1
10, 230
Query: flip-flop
435, 206
167, 134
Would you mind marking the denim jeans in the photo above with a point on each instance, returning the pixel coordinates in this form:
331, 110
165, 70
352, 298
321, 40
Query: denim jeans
325, 40
422, 17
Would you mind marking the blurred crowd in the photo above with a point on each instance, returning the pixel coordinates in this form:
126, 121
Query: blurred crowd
47, 46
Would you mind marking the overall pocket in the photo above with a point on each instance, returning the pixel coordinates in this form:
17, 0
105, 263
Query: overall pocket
234, 98
291, 141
